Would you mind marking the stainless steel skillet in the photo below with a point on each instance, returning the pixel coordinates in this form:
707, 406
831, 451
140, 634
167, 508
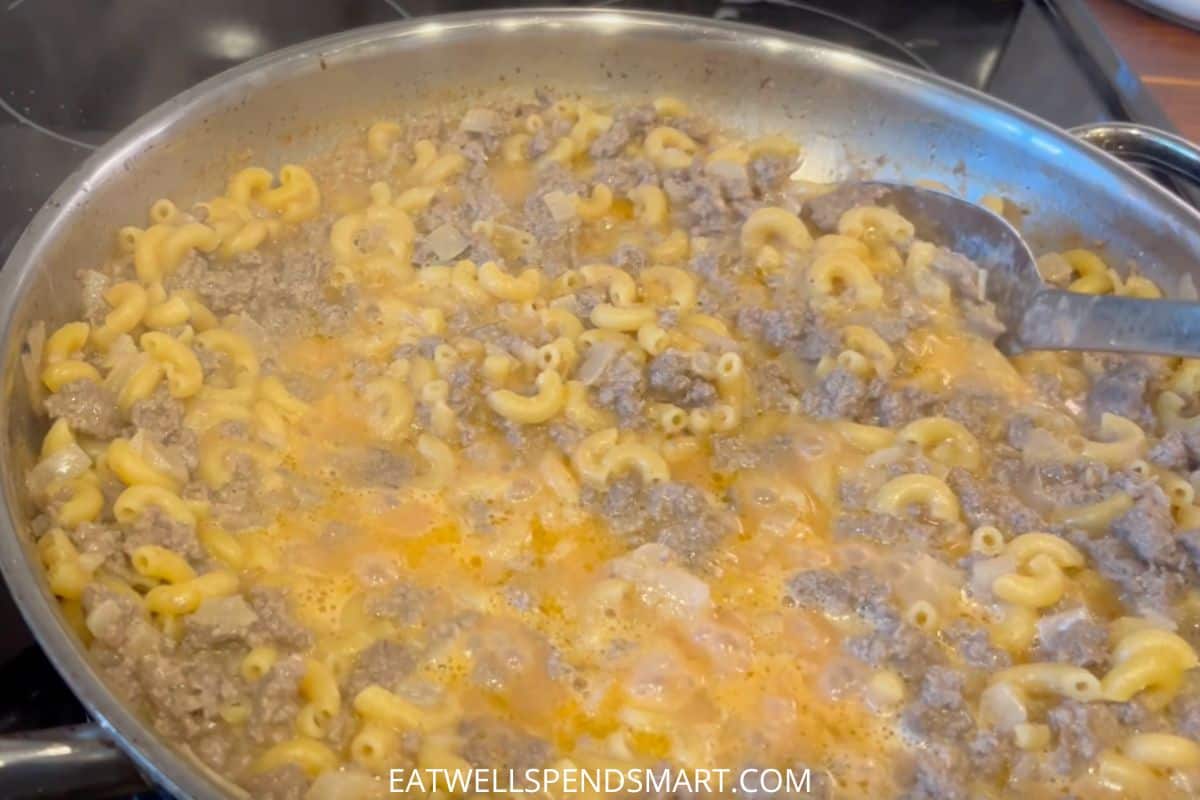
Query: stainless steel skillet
856, 116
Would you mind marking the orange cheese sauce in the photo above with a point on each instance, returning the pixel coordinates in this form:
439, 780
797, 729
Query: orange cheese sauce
738, 516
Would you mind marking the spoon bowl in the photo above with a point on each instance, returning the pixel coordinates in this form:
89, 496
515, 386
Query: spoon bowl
1037, 316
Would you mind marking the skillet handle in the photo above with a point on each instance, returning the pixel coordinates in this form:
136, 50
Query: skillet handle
1060, 320
76, 761
1146, 147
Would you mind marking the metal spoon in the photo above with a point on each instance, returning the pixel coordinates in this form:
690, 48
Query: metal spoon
1038, 316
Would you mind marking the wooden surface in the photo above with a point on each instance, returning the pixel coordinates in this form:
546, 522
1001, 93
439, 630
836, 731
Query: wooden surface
1165, 56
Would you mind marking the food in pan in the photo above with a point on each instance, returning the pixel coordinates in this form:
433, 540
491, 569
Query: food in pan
561, 434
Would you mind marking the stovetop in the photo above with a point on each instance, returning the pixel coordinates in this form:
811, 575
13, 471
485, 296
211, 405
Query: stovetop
72, 74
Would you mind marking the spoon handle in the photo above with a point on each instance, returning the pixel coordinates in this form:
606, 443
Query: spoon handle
1058, 320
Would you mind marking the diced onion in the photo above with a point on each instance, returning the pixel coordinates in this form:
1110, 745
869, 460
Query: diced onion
778, 523
69, 462
350, 784
662, 584
170, 463
560, 204
91, 561
727, 170
106, 620
1002, 706
1054, 268
1056, 623
1187, 289
446, 242
887, 455
1044, 447
231, 612
931, 286
31, 363
122, 348
726, 646
479, 120
655, 675
928, 579
678, 590
595, 362
122, 364
825, 161
984, 573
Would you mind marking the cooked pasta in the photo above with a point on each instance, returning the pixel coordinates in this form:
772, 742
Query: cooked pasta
567, 433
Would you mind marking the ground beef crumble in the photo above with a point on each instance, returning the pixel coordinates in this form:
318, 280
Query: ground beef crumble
566, 596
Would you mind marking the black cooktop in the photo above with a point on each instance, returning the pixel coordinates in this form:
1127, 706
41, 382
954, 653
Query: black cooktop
72, 74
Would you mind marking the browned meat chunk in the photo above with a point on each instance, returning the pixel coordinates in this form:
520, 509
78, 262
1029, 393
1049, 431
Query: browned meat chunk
897, 645
939, 711
768, 172
88, 408
839, 395
940, 773
826, 210
491, 743
627, 125
1142, 586
975, 648
384, 663
673, 513
1122, 391
671, 379
1081, 731
855, 591
621, 389
154, 526
283, 783
1149, 531
1073, 637
275, 702
991, 503
274, 623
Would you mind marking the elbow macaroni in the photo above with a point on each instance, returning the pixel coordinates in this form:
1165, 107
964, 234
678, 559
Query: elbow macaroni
504, 432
